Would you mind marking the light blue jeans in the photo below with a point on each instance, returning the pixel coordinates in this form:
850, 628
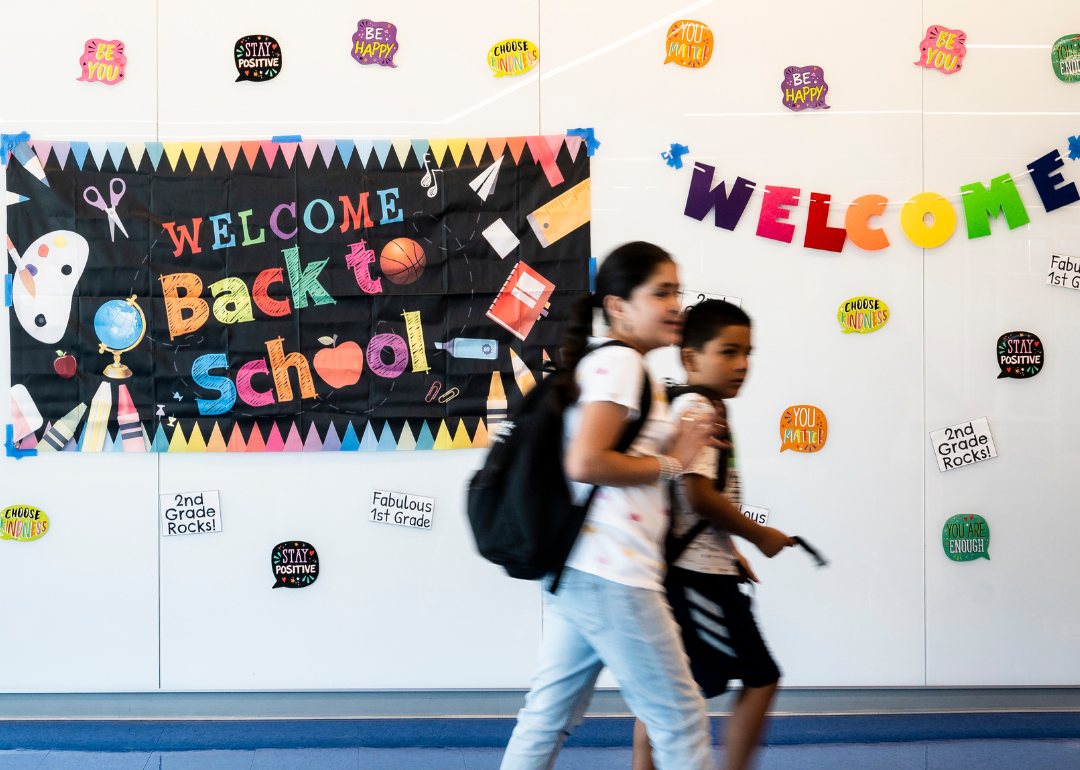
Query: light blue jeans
590, 623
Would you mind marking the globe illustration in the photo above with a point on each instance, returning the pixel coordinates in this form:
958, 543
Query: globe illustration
120, 325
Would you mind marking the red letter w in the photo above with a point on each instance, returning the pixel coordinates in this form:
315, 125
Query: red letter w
193, 241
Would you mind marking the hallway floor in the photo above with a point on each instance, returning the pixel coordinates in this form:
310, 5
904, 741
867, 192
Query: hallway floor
944, 755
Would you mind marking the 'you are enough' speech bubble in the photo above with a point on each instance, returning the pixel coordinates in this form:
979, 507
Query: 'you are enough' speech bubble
966, 538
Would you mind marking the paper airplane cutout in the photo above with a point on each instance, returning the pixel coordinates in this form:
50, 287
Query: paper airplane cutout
484, 185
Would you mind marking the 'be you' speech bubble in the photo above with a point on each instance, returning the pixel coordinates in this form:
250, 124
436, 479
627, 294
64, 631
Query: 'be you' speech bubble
295, 564
966, 537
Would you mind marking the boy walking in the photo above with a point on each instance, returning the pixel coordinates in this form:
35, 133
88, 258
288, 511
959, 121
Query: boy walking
705, 569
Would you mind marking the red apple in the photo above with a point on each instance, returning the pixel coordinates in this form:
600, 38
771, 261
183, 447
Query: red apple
339, 366
65, 364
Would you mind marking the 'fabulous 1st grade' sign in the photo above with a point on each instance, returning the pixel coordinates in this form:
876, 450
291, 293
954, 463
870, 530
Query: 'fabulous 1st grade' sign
401, 509
966, 538
190, 513
964, 444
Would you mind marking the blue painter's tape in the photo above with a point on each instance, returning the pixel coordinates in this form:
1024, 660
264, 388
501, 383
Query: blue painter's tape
591, 144
592, 273
287, 138
8, 143
9, 446
7, 289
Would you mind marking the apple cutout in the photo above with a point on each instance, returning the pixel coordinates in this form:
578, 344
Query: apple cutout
65, 364
340, 366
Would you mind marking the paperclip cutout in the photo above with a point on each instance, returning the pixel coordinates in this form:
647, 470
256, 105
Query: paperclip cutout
449, 395
433, 392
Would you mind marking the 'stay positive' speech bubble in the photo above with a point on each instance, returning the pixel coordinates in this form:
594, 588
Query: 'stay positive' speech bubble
1020, 355
295, 564
803, 428
258, 58
862, 315
966, 537
689, 44
22, 523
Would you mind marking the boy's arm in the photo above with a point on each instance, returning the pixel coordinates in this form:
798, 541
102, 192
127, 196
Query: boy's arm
714, 507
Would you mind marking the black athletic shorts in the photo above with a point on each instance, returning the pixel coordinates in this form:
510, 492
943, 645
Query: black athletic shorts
719, 631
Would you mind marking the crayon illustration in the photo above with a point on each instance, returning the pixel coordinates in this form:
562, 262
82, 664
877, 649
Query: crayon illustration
98, 421
548, 366
524, 377
496, 404
25, 417
30, 161
58, 436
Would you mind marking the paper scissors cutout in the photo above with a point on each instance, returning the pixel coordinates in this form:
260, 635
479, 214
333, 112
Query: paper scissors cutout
114, 198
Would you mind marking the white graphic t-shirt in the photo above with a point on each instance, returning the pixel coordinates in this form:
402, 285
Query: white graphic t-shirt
622, 540
711, 551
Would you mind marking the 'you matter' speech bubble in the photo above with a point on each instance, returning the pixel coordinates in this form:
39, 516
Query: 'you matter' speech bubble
803, 429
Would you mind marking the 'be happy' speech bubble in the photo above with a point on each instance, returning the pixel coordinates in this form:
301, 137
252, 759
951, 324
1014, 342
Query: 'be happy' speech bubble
966, 538
295, 564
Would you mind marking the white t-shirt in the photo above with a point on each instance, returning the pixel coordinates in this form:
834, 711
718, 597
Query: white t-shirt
622, 540
711, 551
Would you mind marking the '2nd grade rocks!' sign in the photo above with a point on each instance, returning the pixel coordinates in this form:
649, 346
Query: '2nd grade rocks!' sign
964, 444
295, 564
190, 513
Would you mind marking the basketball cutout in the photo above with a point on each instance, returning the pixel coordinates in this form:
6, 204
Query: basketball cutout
402, 261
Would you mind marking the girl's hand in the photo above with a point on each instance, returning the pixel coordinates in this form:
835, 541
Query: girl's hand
696, 430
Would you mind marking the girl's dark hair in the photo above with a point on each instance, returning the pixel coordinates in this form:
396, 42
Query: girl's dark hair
705, 320
622, 271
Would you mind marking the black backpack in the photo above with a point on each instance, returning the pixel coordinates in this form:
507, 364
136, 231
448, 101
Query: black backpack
520, 504
674, 546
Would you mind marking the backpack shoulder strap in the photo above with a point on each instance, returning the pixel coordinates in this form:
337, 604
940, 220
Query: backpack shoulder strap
625, 441
631, 432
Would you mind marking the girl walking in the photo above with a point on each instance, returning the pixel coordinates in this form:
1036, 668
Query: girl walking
610, 608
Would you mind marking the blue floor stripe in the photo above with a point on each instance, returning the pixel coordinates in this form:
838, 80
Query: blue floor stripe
597, 732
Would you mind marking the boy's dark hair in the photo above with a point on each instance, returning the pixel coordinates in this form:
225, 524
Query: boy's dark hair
705, 320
